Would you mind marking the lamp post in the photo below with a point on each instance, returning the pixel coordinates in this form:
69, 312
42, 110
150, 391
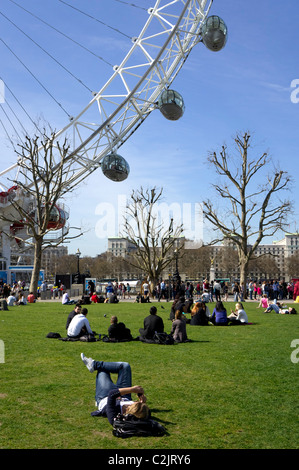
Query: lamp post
177, 277
78, 276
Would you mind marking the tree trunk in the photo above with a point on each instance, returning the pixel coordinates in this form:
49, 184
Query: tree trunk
36, 265
243, 275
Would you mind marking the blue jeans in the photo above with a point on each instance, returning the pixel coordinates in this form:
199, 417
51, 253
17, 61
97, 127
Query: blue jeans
103, 380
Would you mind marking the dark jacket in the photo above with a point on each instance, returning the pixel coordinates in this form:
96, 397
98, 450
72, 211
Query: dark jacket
69, 318
119, 332
199, 318
113, 405
151, 324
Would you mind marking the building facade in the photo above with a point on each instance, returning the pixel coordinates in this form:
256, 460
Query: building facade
118, 246
271, 259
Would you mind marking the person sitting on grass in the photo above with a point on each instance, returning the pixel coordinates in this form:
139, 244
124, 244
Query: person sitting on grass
74, 312
200, 314
178, 329
21, 299
11, 300
142, 299
263, 302
79, 325
219, 315
94, 298
117, 331
66, 300
31, 298
114, 398
238, 316
152, 324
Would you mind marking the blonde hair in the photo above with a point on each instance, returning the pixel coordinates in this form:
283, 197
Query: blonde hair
178, 314
239, 305
138, 409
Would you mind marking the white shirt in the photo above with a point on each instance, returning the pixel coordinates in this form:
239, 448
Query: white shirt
65, 298
123, 401
77, 324
11, 300
242, 316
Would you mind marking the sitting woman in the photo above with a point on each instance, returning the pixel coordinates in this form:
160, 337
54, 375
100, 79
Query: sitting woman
239, 316
219, 315
94, 298
178, 330
178, 304
200, 314
21, 300
263, 302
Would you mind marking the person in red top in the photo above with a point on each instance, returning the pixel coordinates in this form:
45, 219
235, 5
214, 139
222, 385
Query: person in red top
31, 298
296, 290
94, 298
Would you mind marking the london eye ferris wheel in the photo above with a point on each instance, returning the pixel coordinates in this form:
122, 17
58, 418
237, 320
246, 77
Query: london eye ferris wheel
138, 85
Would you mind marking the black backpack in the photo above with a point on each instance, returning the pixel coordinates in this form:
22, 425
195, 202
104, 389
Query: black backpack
129, 426
163, 338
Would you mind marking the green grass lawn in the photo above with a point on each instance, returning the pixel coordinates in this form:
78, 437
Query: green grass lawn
229, 388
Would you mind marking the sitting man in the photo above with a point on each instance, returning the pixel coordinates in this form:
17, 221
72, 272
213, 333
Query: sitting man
11, 300
113, 299
151, 324
79, 325
66, 300
118, 331
74, 312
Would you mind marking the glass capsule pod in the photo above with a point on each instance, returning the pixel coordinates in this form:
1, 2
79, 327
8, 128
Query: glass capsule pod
171, 105
214, 33
58, 218
115, 167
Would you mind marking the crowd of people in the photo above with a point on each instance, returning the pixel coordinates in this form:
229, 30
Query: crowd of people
221, 290
15, 294
182, 308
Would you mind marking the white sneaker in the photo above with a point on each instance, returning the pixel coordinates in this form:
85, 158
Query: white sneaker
88, 361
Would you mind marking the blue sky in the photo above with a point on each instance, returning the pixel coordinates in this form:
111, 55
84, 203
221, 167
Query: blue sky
244, 87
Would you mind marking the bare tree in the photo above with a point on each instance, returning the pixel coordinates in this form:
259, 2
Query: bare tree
156, 243
292, 264
254, 209
196, 262
34, 208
